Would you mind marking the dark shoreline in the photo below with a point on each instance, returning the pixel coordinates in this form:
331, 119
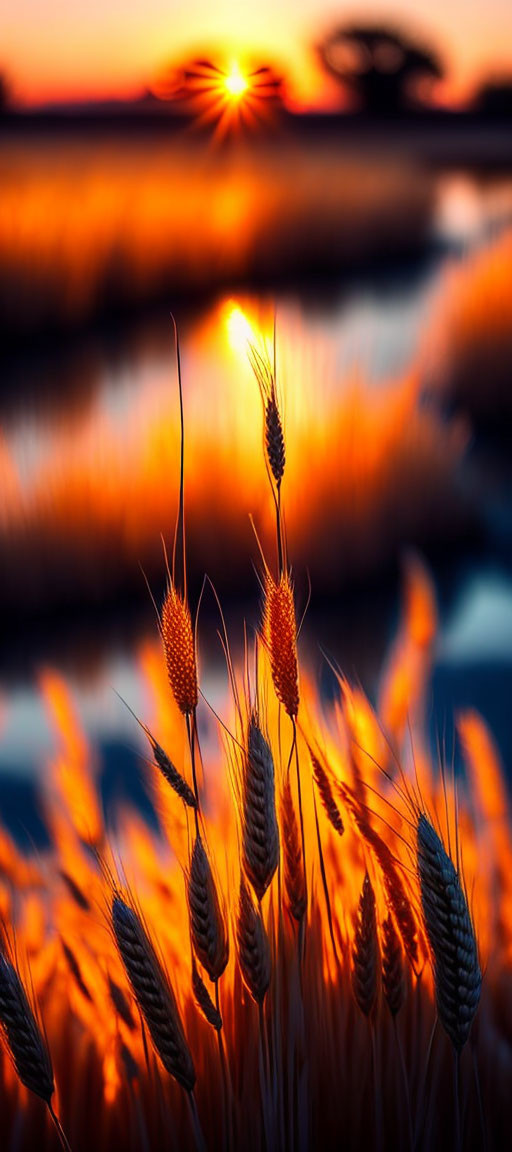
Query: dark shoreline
437, 138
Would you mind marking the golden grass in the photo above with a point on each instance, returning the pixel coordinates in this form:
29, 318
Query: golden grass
280, 634
469, 359
382, 471
180, 650
266, 1009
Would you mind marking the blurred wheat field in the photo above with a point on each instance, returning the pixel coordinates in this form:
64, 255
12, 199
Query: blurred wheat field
383, 470
471, 333
87, 438
95, 226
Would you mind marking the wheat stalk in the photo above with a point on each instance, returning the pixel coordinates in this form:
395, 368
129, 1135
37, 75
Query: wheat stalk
165, 765
22, 1034
450, 934
274, 435
274, 438
180, 650
120, 1003
329, 804
253, 946
207, 926
293, 870
76, 971
280, 632
153, 993
365, 952
204, 1000
393, 883
173, 777
260, 833
393, 978
75, 891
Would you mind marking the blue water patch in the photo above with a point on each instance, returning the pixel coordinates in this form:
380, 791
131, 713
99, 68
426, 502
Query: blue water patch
21, 812
124, 780
480, 624
483, 686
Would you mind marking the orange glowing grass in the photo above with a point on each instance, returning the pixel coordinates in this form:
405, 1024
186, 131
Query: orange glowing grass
76, 971
85, 982
72, 775
277, 1001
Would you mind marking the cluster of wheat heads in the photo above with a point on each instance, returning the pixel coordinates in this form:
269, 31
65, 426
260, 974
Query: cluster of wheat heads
293, 960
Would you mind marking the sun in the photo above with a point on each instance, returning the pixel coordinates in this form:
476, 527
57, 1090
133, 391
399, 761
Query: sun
235, 82
231, 98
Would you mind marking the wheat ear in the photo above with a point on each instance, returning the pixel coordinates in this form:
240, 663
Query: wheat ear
280, 634
293, 868
153, 993
180, 650
253, 945
393, 977
22, 1035
365, 953
207, 925
451, 935
329, 804
260, 833
203, 999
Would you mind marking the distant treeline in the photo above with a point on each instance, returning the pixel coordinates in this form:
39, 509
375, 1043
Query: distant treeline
382, 72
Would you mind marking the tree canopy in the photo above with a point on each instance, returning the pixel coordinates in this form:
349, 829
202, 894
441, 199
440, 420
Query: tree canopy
384, 70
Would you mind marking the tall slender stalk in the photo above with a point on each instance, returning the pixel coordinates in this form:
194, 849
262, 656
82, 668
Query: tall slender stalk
405, 1082
59, 1129
323, 875
191, 743
295, 748
227, 1090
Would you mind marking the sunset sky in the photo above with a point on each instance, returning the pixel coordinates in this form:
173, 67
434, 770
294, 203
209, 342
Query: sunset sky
67, 49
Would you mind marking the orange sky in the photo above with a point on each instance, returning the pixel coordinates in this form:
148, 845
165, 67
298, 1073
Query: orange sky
62, 49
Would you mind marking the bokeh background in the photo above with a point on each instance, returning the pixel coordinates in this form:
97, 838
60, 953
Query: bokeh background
342, 169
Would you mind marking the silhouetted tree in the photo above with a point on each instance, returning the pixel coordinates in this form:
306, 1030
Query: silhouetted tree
383, 69
5, 93
494, 99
